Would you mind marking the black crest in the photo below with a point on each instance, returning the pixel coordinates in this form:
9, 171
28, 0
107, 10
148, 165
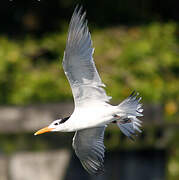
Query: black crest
64, 120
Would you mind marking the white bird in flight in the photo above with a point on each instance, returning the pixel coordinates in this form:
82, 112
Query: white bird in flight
92, 112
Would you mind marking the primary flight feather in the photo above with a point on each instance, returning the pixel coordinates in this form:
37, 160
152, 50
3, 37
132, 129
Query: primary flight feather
92, 109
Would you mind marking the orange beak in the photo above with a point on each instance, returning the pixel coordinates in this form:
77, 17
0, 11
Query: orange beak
44, 130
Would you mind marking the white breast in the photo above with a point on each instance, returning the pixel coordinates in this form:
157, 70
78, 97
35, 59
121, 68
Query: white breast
90, 116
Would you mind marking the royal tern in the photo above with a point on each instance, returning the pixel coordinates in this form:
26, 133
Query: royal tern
92, 112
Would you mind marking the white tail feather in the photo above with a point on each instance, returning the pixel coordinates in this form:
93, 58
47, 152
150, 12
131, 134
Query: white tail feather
127, 111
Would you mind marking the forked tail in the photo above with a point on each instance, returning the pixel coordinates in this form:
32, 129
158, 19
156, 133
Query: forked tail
126, 118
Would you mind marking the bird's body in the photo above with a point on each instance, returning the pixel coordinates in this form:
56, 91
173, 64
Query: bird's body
92, 115
92, 109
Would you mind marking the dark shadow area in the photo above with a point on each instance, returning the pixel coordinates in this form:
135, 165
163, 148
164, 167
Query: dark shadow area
124, 165
38, 17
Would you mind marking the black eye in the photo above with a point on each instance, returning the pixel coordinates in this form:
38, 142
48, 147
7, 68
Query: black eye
56, 124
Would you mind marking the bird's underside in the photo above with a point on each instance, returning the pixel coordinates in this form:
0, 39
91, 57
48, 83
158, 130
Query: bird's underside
88, 143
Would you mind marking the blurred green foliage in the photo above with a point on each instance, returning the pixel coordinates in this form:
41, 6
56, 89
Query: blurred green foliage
144, 58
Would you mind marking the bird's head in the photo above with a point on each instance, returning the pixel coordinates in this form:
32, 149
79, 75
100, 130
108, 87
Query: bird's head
56, 125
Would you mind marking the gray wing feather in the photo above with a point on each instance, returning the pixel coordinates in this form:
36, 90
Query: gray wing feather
89, 147
78, 62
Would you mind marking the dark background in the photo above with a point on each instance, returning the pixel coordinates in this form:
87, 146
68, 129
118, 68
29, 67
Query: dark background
19, 17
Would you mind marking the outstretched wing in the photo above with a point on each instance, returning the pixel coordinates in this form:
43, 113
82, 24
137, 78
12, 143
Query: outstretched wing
78, 62
89, 147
